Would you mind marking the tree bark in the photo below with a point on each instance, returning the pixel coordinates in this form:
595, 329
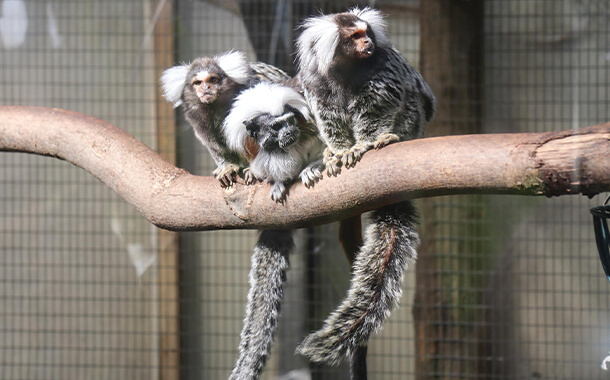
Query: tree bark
551, 164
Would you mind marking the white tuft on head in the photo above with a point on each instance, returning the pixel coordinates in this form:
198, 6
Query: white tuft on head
262, 98
377, 22
173, 81
235, 65
317, 44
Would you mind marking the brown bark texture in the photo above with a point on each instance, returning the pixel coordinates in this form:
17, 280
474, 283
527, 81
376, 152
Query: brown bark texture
551, 164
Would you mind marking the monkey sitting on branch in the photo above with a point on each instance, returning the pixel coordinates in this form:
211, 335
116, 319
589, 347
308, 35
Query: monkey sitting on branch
206, 89
363, 95
279, 121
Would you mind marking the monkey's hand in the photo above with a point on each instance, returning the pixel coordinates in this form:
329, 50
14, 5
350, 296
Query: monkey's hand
312, 174
354, 154
278, 192
332, 162
385, 139
225, 174
249, 178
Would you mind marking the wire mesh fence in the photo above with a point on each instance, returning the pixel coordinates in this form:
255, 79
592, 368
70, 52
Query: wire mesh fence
505, 287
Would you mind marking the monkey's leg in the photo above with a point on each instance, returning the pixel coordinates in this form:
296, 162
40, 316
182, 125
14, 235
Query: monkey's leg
249, 178
278, 192
385, 139
312, 173
332, 161
225, 174
375, 289
354, 154
267, 277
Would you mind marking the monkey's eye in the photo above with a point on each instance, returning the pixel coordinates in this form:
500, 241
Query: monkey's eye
196, 82
358, 34
214, 80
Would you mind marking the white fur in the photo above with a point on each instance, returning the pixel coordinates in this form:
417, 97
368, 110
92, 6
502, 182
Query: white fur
317, 44
262, 98
377, 22
173, 81
235, 65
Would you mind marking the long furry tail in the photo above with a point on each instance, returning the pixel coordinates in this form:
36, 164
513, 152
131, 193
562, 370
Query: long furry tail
267, 276
390, 243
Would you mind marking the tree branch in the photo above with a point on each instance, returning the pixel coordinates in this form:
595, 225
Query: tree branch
551, 164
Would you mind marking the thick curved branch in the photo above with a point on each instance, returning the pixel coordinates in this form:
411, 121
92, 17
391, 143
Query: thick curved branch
554, 163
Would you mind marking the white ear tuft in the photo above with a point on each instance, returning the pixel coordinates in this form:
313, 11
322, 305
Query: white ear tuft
235, 65
317, 44
173, 81
377, 22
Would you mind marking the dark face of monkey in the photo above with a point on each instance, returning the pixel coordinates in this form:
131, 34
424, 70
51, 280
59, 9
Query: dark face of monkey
356, 38
206, 83
274, 133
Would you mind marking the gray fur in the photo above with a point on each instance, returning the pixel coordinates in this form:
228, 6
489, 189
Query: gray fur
277, 118
390, 243
358, 104
206, 118
229, 149
267, 276
360, 101
280, 124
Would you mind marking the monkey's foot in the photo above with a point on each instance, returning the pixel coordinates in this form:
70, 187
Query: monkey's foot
249, 178
332, 162
312, 174
385, 139
225, 174
354, 154
333, 166
278, 192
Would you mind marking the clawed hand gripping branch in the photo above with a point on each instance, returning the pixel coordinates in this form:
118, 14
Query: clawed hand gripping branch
353, 93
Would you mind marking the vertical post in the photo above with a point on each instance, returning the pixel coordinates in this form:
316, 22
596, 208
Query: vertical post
168, 249
453, 233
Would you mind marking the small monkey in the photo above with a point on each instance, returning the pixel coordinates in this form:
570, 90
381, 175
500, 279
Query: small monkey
277, 118
279, 121
206, 89
363, 95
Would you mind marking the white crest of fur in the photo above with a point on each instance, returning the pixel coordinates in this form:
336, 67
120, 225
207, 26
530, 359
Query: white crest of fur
235, 65
317, 44
377, 22
173, 81
262, 98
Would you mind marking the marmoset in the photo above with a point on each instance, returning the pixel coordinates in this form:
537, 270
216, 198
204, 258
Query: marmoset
363, 95
207, 88
278, 119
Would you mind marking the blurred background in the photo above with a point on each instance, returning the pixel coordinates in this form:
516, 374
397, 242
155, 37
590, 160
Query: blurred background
505, 287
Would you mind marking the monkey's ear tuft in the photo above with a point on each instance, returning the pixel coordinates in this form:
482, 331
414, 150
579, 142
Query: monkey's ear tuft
235, 65
317, 44
173, 81
377, 22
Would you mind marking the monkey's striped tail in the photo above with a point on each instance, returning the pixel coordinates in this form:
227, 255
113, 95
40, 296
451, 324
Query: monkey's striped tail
390, 243
267, 277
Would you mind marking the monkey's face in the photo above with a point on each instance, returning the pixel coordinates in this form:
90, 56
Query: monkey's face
206, 85
274, 133
356, 38
206, 81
